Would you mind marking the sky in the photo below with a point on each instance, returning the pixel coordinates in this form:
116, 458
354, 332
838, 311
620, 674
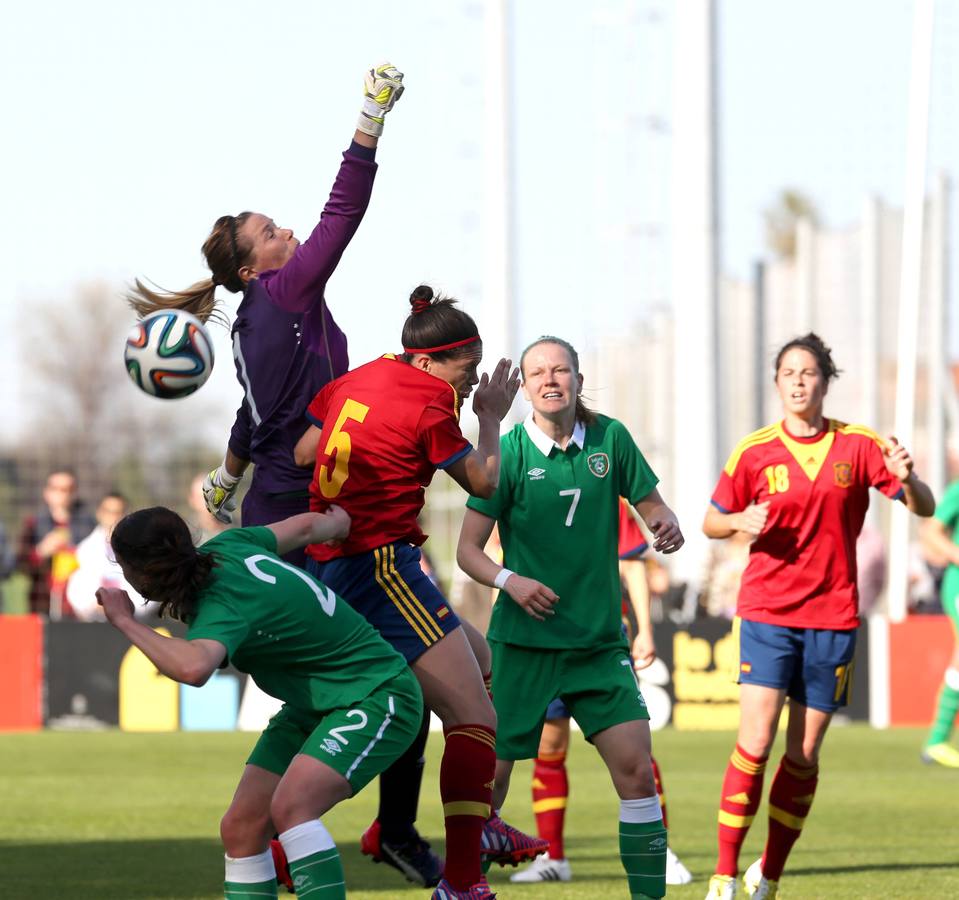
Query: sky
129, 128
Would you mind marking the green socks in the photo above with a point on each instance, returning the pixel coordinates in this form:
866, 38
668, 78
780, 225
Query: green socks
946, 709
314, 862
642, 847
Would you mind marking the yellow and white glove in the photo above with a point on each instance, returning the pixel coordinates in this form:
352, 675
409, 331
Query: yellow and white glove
219, 493
382, 87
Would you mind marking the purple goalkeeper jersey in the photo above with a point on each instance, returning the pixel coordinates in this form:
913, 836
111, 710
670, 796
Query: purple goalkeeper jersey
285, 343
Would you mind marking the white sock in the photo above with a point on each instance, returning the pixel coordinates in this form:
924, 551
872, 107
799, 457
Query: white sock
645, 809
250, 869
306, 839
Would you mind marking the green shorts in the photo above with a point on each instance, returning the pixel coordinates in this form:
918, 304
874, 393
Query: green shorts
358, 742
599, 686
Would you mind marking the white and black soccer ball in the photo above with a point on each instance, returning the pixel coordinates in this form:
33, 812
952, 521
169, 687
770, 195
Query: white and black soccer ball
169, 354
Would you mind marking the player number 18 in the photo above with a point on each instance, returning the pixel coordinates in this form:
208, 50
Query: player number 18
778, 478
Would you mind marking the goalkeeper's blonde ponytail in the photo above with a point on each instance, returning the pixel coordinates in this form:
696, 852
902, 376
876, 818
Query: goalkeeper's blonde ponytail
225, 252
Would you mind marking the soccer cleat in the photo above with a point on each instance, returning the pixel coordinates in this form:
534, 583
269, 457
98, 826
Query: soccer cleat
506, 846
721, 887
544, 869
943, 754
282, 866
757, 885
418, 863
676, 872
479, 891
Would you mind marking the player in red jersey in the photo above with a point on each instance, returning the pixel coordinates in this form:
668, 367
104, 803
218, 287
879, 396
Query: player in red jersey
800, 488
380, 433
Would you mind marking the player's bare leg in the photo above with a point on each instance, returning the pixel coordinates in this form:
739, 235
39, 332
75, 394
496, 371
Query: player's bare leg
626, 750
245, 830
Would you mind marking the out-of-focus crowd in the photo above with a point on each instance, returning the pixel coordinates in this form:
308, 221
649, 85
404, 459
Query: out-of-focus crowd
63, 553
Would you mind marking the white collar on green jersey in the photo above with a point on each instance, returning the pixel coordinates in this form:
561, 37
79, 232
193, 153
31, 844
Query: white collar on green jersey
544, 443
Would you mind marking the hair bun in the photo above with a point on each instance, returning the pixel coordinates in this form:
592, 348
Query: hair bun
421, 299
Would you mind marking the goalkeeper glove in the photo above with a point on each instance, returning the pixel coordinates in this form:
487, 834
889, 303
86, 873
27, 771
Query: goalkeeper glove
219, 489
382, 87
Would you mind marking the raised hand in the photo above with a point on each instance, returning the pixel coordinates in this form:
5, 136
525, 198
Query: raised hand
494, 394
382, 87
897, 458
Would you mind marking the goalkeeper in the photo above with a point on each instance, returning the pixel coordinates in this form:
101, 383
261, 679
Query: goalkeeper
285, 342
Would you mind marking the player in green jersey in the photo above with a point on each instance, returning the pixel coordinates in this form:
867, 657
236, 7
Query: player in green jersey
351, 705
941, 535
555, 629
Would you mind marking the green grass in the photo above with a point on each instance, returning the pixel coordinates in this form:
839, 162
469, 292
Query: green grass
116, 816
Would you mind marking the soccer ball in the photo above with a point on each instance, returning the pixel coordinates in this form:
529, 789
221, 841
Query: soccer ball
169, 354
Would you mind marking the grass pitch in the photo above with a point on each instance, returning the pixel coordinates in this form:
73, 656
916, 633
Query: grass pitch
116, 816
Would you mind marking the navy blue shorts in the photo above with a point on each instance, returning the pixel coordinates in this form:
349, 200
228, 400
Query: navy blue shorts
389, 589
814, 666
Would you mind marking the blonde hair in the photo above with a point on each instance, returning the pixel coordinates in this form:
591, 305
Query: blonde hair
583, 413
225, 252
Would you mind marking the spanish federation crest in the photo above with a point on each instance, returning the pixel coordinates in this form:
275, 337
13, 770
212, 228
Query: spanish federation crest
842, 473
598, 464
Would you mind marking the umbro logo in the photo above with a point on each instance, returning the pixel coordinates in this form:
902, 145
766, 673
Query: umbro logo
536, 474
330, 746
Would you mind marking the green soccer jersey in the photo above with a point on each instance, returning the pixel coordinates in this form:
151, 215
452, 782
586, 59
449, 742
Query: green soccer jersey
298, 641
558, 521
947, 512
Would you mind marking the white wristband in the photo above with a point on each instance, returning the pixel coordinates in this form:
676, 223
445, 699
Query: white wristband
500, 579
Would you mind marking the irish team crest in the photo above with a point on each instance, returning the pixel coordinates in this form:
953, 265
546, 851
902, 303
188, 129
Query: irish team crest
598, 464
842, 473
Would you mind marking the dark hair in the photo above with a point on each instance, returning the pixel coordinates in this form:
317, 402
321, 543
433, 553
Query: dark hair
114, 495
436, 322
225, 252
157, 546
815, 345
583, 413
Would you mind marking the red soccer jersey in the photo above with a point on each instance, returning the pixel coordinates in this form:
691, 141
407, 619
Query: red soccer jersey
802, 568
387, 427
632, 541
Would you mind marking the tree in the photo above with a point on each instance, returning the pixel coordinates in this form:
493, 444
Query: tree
782, 218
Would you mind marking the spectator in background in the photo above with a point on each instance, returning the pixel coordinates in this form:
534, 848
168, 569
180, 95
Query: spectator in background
7, 561
97, 567
46, 552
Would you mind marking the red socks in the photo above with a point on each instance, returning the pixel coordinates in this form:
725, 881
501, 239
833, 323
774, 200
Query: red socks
742, 792
466, 788
659, 791
550, 791
790, 797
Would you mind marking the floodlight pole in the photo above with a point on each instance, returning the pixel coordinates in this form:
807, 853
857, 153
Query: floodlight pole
917, 139
498, 202
694, 286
